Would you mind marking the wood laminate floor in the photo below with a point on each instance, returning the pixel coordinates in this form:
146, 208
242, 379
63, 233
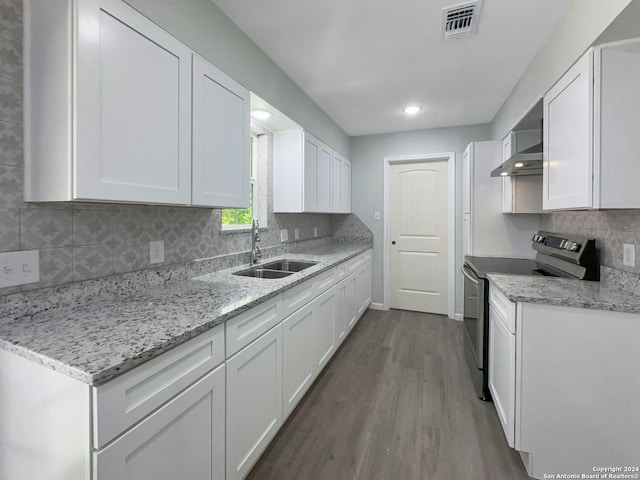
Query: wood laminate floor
395, 403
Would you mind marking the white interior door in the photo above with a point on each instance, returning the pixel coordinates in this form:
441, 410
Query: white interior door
418, 232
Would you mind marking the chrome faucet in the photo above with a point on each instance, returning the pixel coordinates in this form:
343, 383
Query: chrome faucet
256, 254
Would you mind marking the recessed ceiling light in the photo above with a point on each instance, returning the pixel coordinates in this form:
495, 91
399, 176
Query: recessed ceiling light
411, 109
261, 114
519, 165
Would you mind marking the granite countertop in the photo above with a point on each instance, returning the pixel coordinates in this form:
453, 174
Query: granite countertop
566, 292
98, 341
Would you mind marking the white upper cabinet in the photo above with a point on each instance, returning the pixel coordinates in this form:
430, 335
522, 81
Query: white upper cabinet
341, 184
220, 138
590, 138
305, 176
113, 122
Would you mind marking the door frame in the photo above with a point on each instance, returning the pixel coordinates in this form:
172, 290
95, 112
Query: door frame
450, 158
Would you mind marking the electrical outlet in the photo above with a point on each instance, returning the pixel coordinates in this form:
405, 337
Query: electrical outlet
19, 268
156, 251
296, 234
315, 231
629, 254
284, 235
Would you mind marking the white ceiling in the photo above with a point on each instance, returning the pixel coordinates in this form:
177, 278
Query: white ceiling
362, 61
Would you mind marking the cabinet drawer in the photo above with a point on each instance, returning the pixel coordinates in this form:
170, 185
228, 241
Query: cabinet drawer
194, 419
246, 327
355, 263
297, 297
120, 403
324, 281
341, 272
504, 308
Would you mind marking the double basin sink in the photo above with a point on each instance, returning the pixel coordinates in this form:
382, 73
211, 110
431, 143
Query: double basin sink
278, 269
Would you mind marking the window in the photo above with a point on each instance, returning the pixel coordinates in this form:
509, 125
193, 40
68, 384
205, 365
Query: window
237, 219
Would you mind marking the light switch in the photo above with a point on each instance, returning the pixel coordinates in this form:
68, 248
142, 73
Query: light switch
284, 235
296, 234
629, 254
376, 216
19, 268
315, 231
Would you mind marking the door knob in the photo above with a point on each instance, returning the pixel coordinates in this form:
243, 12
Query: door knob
393, 242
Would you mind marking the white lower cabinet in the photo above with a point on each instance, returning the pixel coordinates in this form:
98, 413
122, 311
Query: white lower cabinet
183, 439
254, 401
363, 289
297, 359
187, 413
324, 330
502, 372
341, 316
350, 308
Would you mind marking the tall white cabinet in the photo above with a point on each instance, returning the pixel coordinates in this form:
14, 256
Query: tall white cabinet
590, 138
486, 230
113, 121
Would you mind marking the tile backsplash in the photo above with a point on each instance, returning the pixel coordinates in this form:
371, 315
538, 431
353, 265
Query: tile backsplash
81, 242
611, 229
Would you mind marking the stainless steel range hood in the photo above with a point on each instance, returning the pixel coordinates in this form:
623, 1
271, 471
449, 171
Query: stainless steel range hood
526, 162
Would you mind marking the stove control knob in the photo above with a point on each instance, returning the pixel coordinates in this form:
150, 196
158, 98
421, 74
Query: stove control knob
563, 244
575, 247
535, 238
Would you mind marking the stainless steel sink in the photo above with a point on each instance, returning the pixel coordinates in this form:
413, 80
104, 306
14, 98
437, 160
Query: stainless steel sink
278, 269
263, 273
288, 265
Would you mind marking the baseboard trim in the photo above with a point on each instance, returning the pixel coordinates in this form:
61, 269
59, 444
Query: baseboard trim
459, 317
376, 306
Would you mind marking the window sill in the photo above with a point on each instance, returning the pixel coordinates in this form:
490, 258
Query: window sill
231, 229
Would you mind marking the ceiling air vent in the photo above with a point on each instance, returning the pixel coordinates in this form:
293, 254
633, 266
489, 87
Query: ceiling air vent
460, 20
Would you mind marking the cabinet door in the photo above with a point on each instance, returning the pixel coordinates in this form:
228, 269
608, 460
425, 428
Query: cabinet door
508, 145
312, 149
297, 359
183, 439
324, 188
363, 288
502, 372
350, 307
324, 333
466, 179
254, 401
342, 315
345, 186
133, 106
220, 138
568, 139
336, 183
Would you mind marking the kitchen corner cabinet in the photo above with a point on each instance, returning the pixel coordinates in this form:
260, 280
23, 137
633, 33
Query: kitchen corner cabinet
590, 138
113, 121
308, 175
521, 194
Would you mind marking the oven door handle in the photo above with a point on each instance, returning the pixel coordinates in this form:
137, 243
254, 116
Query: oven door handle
469, 275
